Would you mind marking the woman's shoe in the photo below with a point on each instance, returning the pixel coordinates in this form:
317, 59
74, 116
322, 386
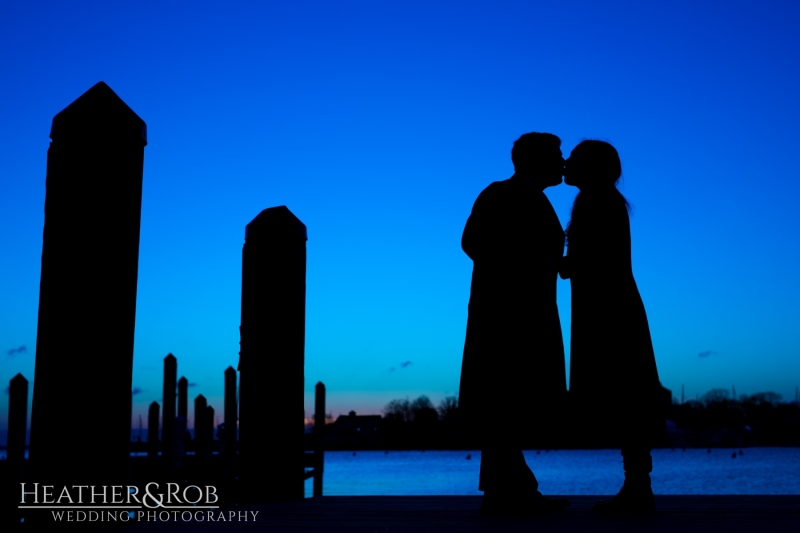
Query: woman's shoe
629, 500
520, 504
636, 494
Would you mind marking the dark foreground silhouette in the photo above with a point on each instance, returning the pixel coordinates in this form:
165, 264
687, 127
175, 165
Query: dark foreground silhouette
514, 353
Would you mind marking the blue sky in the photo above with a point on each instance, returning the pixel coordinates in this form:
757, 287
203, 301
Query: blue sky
377, 124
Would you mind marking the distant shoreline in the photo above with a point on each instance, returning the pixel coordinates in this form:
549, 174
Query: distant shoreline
3, 449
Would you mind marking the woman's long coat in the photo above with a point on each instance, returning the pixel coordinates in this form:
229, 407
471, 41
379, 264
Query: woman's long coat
513, 377
615, 392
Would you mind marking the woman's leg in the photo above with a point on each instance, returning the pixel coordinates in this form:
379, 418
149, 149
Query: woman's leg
636, 495
638, 463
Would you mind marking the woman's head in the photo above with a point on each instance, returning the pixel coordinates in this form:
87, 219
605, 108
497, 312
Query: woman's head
593, 164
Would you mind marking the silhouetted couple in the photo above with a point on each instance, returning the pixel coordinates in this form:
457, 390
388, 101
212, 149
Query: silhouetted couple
513, 381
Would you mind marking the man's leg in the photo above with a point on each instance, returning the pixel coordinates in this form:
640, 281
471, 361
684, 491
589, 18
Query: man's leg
504, 471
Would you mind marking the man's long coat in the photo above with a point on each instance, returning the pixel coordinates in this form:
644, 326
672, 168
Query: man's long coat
513, 375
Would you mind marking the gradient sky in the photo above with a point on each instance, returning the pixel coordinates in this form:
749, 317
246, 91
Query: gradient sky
377, 124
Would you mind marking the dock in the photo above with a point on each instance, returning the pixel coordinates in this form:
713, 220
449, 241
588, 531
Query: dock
328, 514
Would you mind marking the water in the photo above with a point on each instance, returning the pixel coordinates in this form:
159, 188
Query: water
594, 472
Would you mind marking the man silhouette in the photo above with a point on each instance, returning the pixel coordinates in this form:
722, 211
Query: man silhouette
512, 375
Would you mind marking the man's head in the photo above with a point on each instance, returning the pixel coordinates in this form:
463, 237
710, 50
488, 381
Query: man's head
538, 157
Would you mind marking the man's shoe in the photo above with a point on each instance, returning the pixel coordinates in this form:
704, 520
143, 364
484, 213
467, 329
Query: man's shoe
494, 504
556, 504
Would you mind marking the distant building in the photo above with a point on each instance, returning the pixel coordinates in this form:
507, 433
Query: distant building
354, 430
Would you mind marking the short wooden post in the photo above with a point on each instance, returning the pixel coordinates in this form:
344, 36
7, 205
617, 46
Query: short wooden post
272, 356
210, 429
15, 448
168, 417
180, 440
183, 398
200, 405
319, 437
90, 262
17, 419
152, 430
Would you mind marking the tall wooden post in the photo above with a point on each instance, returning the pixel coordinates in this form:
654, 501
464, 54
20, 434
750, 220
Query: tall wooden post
168, 417
183, 398
319, 437
181, 421
152, 430
272, 356
87, 292
229, 436
201, 435
229, 446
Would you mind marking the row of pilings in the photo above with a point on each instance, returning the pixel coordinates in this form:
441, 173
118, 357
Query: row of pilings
87, 310
172, 444
171, 451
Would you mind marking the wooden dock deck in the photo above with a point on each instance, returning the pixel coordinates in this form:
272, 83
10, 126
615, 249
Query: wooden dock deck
367, 514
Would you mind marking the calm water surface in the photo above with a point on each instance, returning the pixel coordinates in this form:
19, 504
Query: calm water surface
376, 473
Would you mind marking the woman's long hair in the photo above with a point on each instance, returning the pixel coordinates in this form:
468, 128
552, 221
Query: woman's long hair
605, 173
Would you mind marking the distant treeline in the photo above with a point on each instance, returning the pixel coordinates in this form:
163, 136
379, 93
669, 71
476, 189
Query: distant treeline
714, 420
406, 424
717, 419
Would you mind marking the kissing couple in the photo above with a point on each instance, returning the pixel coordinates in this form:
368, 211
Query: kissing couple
513, 379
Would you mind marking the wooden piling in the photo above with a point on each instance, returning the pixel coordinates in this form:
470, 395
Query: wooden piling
14, 473
319, 437
168, 416
210, 428
87, 292
183, 398
201, 436
200, 419
181, 436
229, 436
152, 430
17, 420
272, 356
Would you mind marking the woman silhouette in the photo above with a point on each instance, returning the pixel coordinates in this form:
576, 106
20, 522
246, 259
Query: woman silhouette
614, 386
